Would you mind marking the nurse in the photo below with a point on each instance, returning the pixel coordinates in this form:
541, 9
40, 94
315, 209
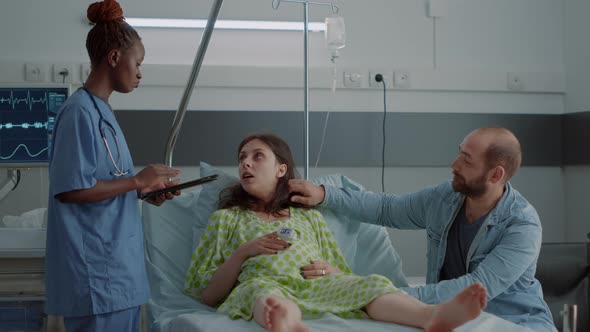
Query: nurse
95, 272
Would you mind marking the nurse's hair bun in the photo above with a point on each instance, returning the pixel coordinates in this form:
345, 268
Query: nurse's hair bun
104, 11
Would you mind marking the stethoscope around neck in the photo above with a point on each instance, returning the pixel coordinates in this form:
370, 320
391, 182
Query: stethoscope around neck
102, 123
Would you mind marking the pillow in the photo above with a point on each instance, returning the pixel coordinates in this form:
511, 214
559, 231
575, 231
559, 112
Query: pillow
165, 228
367, 248
168, 250
208, 199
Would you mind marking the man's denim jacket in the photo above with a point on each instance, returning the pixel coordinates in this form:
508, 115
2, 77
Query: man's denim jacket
502, 257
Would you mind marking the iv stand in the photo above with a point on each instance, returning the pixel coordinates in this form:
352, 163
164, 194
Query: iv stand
306, 3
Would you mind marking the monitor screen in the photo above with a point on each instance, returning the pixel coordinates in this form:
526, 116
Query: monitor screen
27, 117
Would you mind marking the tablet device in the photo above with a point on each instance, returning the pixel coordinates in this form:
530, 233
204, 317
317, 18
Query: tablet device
178, 186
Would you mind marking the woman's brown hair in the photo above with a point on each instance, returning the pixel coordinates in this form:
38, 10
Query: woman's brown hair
237, 196
110, 30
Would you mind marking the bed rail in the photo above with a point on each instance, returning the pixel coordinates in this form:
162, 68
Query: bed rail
179, 117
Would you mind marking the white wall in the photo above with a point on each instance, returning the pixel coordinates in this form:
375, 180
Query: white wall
576, 55
392, 33
457, 63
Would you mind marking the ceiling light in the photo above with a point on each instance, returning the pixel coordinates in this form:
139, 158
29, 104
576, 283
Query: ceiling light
224, 24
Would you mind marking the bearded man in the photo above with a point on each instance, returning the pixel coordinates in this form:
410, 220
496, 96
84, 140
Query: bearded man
479, 228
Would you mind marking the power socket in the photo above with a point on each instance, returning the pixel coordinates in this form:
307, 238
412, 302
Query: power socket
34, 72
353, 79
514, 82
63, 73
373, 82
401, 79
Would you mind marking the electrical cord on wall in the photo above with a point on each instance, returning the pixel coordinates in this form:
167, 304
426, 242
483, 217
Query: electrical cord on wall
379, 78
64, 73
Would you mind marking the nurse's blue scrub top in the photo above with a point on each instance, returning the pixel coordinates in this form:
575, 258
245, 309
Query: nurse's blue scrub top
94, 257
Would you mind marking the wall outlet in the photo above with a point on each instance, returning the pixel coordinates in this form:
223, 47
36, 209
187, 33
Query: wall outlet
84, 72
514, 82
353, 79
34, 72
373, 83
401, 79
62, 73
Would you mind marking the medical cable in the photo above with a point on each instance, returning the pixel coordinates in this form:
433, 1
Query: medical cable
17, 180
379, 78
317, 161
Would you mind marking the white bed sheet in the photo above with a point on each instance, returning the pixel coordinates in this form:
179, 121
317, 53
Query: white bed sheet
177, 312
209, 321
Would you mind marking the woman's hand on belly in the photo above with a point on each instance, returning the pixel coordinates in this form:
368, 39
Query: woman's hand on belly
318, 269
268, 244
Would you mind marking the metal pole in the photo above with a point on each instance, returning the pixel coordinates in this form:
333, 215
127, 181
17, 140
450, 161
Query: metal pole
306, 90
179, 117
570, 317
306, 3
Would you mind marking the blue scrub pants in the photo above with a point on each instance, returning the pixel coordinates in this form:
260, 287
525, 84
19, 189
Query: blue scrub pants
127, 320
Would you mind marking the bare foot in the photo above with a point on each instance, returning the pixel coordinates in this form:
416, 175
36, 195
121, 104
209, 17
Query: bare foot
277, 318
466, 306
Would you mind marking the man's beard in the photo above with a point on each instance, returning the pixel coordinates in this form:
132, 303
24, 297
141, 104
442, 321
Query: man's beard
473, 188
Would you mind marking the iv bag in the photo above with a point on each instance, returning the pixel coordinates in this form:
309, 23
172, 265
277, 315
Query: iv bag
335, 40
335, 33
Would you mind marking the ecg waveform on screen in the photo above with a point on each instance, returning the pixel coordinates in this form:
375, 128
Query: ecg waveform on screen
26, 148
27, 120
35, 125
13, 101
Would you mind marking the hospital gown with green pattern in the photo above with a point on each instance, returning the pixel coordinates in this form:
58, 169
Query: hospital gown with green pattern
343, 294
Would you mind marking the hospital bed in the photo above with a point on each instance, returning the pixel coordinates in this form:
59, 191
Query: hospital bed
171, 232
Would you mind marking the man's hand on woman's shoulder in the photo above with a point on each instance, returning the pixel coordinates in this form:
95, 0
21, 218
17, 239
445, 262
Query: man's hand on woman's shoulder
306, 193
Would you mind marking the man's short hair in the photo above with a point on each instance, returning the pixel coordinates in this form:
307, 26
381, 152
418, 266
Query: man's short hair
505, 154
